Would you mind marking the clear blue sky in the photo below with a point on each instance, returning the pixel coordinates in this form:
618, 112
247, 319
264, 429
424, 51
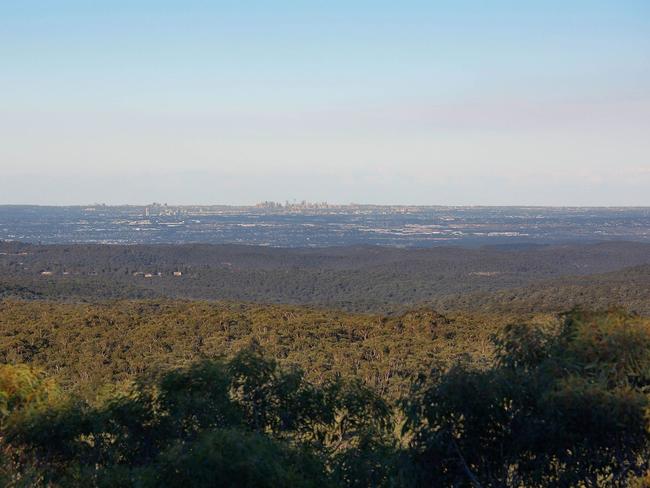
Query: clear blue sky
381, 102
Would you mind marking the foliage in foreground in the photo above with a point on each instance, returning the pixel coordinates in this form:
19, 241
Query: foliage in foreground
557, 409
565, 407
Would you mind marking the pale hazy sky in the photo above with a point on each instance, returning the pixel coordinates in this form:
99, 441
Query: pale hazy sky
420, 102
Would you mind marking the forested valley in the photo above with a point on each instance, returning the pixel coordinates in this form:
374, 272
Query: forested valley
551, 278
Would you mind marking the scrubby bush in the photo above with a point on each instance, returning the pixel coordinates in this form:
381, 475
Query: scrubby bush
558, 409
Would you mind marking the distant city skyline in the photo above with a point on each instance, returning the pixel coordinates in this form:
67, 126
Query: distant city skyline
422, 103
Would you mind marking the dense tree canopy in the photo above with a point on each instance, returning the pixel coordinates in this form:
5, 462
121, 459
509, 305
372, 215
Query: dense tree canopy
557, 405
86, 345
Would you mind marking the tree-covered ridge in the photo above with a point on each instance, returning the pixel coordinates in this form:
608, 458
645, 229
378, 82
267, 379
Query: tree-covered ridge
86, 344
554, 406
361, 278
629, 286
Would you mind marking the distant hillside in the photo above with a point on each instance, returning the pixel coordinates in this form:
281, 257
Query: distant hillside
360, 278
629, 287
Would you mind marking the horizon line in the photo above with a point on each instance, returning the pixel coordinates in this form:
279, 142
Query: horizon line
266, 205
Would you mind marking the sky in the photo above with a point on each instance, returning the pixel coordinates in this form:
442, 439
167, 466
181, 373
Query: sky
385, 102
